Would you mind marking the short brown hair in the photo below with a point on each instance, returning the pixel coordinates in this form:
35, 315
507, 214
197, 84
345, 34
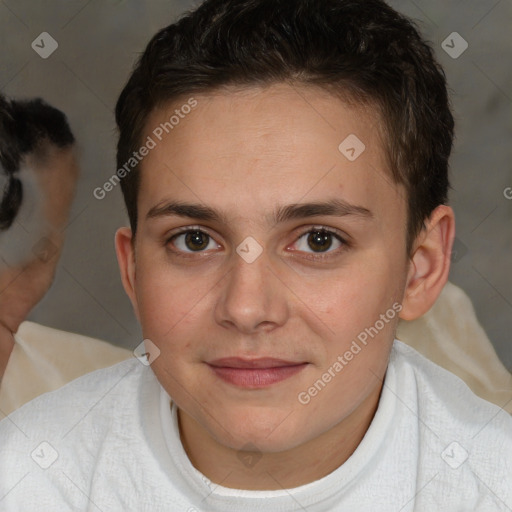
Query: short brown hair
362, 49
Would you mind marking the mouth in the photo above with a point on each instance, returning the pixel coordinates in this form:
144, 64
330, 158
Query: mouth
254, 373
262, 362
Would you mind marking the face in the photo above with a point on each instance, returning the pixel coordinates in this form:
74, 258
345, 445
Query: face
246, 275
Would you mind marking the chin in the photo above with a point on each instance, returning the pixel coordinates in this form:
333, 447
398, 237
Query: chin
264, 433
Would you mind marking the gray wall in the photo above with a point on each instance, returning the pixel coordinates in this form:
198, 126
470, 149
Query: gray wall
98, 43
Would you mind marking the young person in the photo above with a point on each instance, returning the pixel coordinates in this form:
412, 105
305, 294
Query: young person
285, 170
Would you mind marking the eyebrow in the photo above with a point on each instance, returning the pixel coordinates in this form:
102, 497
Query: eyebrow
282, 213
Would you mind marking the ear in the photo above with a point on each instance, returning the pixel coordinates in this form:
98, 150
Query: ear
430, 264
126, 260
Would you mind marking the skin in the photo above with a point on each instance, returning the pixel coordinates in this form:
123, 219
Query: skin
24, 284
243, 153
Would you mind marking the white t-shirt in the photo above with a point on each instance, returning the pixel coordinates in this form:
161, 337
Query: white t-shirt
109, 441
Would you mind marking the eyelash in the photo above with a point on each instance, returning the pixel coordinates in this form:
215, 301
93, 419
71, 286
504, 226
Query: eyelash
311, 256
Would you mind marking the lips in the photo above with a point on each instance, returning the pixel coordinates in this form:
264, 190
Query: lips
255, 373
264, 362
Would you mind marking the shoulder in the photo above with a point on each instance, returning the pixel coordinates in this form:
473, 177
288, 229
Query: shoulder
61, 435
51, 358
462, 437
93, 392
439, 390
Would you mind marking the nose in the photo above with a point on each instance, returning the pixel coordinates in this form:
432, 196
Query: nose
252, 299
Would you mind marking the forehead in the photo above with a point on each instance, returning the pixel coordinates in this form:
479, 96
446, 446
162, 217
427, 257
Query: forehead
246, 150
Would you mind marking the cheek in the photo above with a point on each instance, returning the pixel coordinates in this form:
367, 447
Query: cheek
346, 299
347, 305
176, 306
164, 299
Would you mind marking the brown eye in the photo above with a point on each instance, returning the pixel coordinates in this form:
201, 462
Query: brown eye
192, 240
196, 240
319, 241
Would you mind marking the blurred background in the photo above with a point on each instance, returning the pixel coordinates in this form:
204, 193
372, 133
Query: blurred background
88, 50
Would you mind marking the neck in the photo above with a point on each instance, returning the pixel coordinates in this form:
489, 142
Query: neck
274, 471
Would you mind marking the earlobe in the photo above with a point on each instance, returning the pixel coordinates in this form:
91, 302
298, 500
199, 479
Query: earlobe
430, 264
126, 260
